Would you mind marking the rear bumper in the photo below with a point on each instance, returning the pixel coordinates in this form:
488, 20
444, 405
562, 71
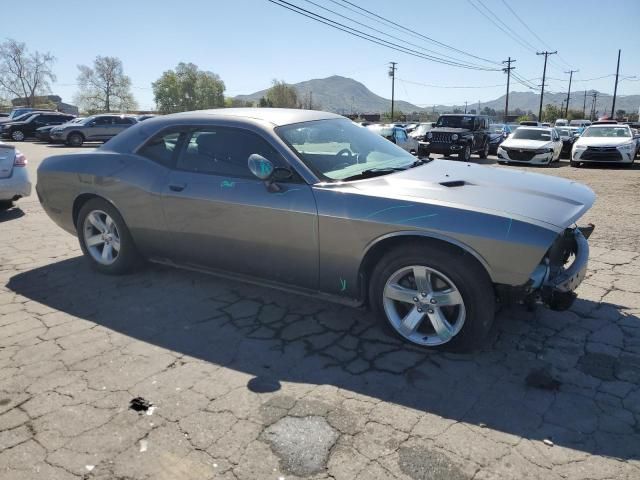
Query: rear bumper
16, 186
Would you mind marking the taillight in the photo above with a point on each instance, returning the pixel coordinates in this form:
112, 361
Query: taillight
21, 160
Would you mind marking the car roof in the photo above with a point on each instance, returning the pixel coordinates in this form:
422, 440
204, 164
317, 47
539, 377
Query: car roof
275, 116
533, 127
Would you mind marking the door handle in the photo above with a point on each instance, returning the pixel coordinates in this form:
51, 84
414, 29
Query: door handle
177, 187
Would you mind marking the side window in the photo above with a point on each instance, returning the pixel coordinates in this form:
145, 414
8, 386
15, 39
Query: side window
161, 148
101, 121
224, 151
123, 121
401, 135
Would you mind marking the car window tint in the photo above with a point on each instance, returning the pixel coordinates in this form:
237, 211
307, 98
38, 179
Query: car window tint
123, 121
161, 148
224, 151
103, 121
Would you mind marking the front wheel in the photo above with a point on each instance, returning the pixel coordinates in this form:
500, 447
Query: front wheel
5, 205
17, 135
574, 164
433, 296
465, 154
75, 140
105, 239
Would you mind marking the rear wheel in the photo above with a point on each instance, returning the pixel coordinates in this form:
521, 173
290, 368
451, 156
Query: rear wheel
485, 150
432, 296
465, 154
105, 239
75, 140
17, 135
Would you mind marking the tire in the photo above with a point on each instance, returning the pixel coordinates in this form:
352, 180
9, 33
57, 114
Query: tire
17, 136
574, 164
75, 139
5, 205
485, 150
465, 155
459, 273
125, 257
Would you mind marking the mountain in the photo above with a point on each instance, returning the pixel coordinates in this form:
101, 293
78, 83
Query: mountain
341, 95
345, 95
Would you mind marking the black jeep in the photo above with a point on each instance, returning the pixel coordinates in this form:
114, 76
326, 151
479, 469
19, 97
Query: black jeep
461, 134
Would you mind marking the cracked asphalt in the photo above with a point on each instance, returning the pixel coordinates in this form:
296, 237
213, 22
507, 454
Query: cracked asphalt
251, 383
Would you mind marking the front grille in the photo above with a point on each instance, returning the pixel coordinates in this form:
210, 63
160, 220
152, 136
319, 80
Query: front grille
441, 137
601, 153
522, 155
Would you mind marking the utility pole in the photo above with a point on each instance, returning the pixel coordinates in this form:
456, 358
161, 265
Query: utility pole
584, 106
544, 76
465, 106
570, 72
615, 89
507, 70
594, 100
392, 74
478, 112
562, 107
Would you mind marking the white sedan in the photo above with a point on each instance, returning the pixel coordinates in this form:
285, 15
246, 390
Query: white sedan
14, 179
611, 143
532, 145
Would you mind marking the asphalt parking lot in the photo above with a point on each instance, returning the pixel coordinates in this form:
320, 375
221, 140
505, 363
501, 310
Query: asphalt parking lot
244, 382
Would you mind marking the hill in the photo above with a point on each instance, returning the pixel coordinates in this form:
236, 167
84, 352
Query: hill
345, 95
341, 95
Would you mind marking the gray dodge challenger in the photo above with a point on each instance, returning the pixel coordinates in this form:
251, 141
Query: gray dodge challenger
310, 202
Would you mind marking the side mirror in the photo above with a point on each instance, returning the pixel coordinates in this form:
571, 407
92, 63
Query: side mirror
260, 166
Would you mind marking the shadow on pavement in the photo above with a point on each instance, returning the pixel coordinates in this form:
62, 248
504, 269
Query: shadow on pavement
279, 337
11, 214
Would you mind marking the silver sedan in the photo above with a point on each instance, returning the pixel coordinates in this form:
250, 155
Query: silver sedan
14, 179
309, 202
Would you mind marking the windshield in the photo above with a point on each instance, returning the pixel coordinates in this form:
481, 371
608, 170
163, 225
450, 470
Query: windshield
24, 117
564, 132
384, 131
607, 132
455, 121
422, 129
532, 134
497, 128
337, 149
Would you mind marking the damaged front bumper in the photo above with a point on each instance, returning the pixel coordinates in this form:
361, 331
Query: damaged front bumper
560, 272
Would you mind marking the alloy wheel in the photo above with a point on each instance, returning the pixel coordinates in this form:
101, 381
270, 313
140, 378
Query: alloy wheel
17, 135
423, 305
101, 237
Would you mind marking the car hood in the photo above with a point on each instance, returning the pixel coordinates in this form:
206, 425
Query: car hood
602, 141
15, 124
526, 144
547, 201
45, 128
449, 130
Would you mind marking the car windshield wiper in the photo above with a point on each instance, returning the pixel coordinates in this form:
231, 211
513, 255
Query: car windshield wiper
420, 161
372, 172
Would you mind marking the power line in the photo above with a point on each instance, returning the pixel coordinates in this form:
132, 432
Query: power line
544, 44
516, 34
449, 47
514, 37
371, 38
387, 34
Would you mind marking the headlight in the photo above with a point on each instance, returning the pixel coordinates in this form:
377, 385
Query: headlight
627, 146
579, 147
454, 137
429, 135
544, 150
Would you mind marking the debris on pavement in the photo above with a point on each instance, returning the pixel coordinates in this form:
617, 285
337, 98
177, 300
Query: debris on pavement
143, 445
89, 467
542, 378
548, 442
139, 404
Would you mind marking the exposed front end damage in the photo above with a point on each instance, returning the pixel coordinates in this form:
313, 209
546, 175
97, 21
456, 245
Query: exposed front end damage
560, 272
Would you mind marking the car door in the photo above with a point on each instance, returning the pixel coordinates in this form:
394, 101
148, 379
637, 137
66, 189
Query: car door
557, 144
99, 128
401, 138
222, 217
120, 124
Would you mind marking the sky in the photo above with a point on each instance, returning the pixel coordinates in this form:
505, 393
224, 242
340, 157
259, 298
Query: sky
251, 42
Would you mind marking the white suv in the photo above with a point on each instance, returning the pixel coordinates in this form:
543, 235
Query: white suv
611, 143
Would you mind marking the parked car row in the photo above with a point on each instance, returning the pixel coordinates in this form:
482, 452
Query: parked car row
56, 127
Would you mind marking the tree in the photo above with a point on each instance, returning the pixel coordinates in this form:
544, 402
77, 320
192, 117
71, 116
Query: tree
236, 102
188, 88
104, 87
24, 74
281, 95
620, 114
551, 113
